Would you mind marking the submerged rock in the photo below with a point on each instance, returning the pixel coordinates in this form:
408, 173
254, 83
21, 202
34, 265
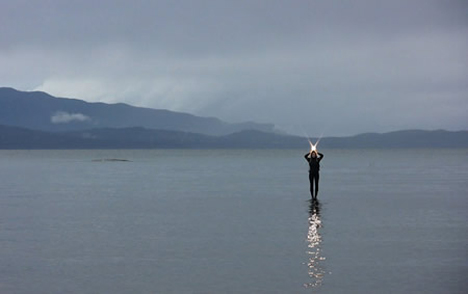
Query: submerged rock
110, 159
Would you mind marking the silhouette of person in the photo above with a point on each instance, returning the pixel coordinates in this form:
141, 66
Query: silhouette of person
314, 158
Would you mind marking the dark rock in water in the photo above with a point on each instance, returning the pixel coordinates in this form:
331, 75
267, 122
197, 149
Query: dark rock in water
110, 159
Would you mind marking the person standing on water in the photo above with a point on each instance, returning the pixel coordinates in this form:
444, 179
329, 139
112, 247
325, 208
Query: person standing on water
314, 158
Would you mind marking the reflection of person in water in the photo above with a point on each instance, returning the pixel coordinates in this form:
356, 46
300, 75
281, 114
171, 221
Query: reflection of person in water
315, 261
314, 158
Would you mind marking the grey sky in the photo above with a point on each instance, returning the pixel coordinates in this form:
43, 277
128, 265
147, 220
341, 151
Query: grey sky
332, 67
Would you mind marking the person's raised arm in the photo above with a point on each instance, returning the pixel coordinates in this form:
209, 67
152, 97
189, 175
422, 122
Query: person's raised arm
321, 155
306, 156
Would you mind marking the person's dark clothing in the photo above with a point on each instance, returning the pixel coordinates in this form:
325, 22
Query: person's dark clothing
314, 163
314, 168
314, 179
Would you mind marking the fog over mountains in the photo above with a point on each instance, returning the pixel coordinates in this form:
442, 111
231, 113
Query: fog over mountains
36, 120
41, 111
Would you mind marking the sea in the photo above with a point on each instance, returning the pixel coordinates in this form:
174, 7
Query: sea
233, 221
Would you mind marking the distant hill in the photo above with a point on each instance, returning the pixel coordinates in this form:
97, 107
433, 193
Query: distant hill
137, 137
401, 139
41, 111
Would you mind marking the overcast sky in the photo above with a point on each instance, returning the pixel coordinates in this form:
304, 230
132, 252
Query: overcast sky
308, 66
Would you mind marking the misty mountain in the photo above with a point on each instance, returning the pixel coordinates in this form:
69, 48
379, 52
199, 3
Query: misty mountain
400, 139
137, 137
41, 111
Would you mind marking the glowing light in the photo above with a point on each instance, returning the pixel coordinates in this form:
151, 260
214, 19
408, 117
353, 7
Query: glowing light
313, 147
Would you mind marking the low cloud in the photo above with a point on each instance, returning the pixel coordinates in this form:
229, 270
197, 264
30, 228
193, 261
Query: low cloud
339, 67
62, 117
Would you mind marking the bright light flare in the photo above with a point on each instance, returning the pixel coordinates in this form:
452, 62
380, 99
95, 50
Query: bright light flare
313, 147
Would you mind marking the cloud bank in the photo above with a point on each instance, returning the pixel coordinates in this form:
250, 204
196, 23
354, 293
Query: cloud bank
308, 66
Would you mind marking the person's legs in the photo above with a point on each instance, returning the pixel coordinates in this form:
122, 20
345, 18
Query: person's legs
316, 178
311, 180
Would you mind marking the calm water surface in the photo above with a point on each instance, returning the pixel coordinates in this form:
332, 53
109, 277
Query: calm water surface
233, 221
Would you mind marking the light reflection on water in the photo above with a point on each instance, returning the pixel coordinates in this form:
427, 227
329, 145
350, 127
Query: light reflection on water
315, 266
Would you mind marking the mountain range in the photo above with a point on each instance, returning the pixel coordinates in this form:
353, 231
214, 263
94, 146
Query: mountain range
36, 120
142, 138
41, 111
